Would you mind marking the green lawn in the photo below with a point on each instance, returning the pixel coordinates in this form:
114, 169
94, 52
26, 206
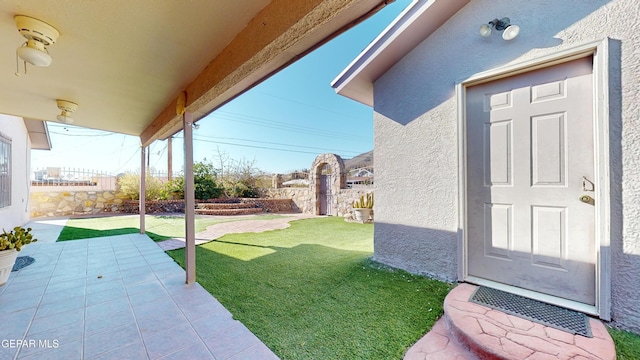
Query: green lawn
627, 344
158, 227
310, 292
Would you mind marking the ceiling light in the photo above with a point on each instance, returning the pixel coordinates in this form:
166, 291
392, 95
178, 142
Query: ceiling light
39, 35
504, 25
34, 53
67, 107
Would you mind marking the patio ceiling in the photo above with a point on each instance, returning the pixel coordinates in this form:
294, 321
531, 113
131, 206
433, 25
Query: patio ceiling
126, 62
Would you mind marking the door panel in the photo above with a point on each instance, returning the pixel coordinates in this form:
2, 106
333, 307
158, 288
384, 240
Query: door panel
529, 145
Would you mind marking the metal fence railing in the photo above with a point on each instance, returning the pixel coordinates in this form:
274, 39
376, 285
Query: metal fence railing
61, 176
73, 177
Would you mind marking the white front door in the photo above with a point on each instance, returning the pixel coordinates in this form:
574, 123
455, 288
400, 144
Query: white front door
530, 159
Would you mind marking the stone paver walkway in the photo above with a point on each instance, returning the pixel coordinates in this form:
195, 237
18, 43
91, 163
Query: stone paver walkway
118, 297
47, 230
216, 231
471, 331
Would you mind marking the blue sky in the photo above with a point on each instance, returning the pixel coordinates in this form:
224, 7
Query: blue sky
295, 111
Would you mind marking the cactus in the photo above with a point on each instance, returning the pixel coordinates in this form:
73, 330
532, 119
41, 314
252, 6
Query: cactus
16, 238
365, 202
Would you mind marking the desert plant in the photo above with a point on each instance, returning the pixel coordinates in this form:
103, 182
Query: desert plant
16, 238
365, 202
129, 185
175, 187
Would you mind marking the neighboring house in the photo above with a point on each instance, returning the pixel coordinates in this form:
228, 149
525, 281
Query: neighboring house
513, 164
17, 138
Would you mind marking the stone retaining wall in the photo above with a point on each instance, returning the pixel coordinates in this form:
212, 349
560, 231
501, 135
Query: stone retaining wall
177, 206
153, 206
65, 203
300, 198
68, 203
273, 205
304, 199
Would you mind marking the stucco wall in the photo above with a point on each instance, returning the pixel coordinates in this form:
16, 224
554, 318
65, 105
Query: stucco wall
416, 135
18, 213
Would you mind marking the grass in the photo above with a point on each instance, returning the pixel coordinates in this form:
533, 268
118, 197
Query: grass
158, 227
627, 344
310, 292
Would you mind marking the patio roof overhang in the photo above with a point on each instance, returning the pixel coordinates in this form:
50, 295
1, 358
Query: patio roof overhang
127, 62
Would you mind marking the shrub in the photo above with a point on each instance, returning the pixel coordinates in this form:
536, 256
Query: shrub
242, 190
175, 187
204, 178
129, 185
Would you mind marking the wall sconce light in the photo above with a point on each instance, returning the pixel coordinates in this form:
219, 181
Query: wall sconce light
509, 31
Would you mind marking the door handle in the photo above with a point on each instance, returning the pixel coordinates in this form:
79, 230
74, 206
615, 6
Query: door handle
587, 185
587, 199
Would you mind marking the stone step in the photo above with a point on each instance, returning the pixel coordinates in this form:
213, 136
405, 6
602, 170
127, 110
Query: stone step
477, 332
242, 211
216, 206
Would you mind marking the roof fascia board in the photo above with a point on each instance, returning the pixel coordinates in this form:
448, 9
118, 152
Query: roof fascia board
37, 130
302, 26
416, 23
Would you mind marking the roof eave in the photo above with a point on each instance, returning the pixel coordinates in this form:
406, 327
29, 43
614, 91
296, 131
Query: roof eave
38, 134
417, 22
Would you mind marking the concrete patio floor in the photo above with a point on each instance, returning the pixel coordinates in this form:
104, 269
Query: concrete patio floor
118, 297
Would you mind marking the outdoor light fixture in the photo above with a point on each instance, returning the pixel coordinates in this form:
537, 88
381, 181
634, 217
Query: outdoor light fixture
39, 35
67, 107
509, 31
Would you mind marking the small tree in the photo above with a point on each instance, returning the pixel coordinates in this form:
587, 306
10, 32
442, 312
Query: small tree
238, 178
204, 178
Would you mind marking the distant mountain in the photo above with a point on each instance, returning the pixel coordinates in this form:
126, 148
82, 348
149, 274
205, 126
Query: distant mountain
362, 160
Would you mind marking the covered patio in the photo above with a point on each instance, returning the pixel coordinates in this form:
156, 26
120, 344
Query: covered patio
113, 297
148, 70
105, 66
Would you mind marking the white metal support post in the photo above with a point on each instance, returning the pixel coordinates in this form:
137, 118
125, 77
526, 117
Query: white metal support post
189, 198
143, 188
170, 158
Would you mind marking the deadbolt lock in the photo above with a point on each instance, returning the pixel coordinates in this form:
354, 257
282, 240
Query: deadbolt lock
587, 199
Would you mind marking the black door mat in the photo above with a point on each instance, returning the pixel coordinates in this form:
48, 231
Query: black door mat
550, 315
22, 261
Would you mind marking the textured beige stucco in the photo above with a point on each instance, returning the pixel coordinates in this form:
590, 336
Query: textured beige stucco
415, 131
17, 214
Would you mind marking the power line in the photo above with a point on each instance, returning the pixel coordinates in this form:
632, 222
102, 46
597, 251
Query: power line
85, 135
303, 103
256, 147
274, 124
275, 143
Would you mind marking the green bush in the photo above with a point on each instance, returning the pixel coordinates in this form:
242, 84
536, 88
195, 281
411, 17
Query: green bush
129, 185
241, 190
175, 188
204, 178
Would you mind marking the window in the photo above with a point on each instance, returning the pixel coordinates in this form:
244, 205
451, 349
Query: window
5, 171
